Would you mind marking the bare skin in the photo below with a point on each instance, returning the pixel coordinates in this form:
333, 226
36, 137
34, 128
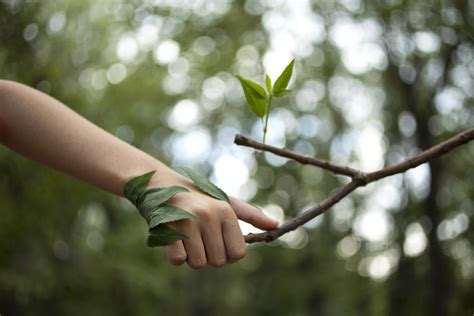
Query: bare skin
45, 130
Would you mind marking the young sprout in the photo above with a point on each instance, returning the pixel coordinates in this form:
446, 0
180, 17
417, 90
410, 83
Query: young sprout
259, 101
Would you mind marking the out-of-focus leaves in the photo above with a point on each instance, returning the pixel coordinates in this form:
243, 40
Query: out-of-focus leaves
88, 240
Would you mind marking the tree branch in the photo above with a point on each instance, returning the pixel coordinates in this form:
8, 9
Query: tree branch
304, 159
358, 178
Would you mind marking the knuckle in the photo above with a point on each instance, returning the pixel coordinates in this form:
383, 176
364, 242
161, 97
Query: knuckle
177, 260
227, 213
218, 262
238, 254
232, 223
197, 263
227, 209
203, 213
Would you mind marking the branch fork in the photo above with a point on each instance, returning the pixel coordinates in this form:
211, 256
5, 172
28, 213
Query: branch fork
359, 178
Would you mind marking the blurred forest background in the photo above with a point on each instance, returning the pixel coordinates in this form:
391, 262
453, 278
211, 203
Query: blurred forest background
376, 81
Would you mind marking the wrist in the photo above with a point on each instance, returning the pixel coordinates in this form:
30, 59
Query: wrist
165, 176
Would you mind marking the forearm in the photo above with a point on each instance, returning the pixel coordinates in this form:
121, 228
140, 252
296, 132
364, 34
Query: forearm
43, 129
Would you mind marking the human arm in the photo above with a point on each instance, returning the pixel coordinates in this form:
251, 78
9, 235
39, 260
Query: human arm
43, 129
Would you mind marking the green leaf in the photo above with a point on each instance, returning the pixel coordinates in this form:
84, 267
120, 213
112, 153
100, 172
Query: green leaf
168, 213
253, 86
282, 82
150, 204
142, 195
163, 235
205, 185
282, 93
254, 98
136, 185
268, 82
158, 214
257, 105
154, 198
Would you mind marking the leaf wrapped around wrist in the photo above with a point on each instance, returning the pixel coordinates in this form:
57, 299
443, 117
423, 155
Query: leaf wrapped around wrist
152, 199
205, 185
151, 205
136, 186
161, 233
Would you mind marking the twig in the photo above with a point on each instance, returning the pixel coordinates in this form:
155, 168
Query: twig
304, 159
358, 178
425, 156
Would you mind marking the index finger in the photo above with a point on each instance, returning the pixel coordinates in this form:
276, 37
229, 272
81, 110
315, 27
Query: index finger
252, 215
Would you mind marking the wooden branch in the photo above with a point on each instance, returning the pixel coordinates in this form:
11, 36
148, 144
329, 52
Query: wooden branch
425, 156
304, 159
358, 178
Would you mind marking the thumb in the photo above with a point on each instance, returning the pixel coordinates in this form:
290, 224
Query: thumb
252, 215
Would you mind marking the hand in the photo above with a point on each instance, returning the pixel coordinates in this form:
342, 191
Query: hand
216, 239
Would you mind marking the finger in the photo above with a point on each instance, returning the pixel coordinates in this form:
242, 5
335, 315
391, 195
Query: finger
252, 215
234, 240
213, 243
176, 253
195, 253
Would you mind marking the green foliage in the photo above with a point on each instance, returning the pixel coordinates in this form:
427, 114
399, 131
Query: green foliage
268, 83
255, 96
135, 187
62, 270
168, 213
261, 103
163, 235
153, 198
205, 185
150, 204
279, 88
